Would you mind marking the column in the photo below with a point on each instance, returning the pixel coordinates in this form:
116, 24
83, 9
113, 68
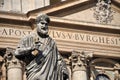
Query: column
16, 5
7, 5
68, 63
3, 72
79, 65
47, 2
39, 3
13, 66
1, 63
26, 4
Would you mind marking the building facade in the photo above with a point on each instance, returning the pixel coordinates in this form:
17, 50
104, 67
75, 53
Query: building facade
87, 33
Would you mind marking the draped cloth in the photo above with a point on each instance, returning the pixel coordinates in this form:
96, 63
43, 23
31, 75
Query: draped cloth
47, 64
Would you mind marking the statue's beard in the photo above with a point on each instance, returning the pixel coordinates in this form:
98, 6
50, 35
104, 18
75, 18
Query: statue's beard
43, 31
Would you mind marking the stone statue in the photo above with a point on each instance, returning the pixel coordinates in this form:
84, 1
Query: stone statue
38, 50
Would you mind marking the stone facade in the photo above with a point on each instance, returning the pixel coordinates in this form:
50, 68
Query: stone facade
89, 48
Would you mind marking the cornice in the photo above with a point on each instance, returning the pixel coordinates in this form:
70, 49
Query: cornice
85, 25
60, 6
13, 16
116, 2
56, 21
67, 5
69, 21
31, 15
50, 10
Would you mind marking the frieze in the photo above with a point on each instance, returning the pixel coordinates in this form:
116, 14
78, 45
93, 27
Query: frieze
13, 32
85, 37
65, 36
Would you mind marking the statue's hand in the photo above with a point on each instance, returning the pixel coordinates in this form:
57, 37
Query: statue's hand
35, 49
35, 52
32, 48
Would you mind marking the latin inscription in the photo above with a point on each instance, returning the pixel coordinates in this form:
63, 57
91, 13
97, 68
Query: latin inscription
11, 32
68, 36
86, 38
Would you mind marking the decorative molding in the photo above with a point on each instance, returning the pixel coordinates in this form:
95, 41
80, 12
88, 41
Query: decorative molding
103, 12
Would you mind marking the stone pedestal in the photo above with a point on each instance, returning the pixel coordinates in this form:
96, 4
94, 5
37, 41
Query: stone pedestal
67, 61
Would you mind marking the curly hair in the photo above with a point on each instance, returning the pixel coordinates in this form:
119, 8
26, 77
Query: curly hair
42, 17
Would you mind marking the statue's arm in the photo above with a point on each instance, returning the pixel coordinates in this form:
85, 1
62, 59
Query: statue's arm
22, 51
24, 48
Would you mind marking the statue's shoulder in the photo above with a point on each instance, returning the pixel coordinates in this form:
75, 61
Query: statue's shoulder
30, 35
27, 37
52, 40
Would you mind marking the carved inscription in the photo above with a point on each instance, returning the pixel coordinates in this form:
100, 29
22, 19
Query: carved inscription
67, 36
83, 37
11, 32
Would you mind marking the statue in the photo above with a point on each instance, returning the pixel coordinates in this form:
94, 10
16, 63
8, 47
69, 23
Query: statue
38, 50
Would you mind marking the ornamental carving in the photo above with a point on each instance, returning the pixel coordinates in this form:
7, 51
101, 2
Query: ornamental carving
80, 60
103, 12
10, 59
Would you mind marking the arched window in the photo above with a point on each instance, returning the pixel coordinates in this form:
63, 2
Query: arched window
102, 77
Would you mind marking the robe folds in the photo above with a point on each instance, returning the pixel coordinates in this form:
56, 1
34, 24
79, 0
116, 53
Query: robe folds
47, 64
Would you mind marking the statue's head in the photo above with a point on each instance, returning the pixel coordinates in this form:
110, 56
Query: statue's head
42, 22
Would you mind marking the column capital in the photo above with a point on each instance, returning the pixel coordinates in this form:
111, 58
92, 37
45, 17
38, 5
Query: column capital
79, 60
13, 65
10, 60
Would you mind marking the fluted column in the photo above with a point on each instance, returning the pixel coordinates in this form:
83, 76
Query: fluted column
13, 66
79, 65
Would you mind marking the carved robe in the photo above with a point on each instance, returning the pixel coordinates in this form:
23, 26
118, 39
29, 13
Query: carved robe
47, 64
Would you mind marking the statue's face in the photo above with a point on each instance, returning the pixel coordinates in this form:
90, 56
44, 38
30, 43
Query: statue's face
42, 27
